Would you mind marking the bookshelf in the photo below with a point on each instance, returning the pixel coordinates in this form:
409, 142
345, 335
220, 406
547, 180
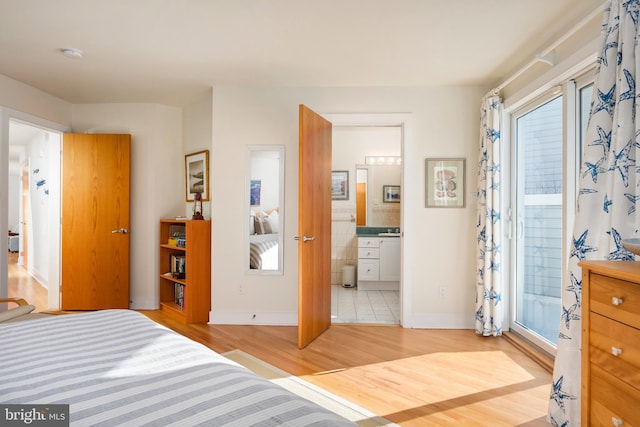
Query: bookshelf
185, 247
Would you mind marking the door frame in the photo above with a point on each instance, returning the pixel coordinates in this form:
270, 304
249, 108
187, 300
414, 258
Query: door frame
8, 115
405, 121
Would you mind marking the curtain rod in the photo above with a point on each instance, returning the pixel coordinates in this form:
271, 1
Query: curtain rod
547, 54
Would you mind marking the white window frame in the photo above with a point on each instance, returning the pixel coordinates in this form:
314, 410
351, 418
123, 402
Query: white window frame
567, 84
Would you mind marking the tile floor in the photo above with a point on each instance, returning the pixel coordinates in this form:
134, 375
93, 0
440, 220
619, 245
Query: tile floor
349, 305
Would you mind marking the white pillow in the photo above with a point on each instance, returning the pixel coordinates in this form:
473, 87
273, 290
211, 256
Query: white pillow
274, 221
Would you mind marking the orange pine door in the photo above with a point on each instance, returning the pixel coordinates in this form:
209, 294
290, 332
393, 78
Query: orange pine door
95, 221
314, 223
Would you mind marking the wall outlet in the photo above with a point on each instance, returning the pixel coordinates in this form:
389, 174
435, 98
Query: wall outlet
443, 291
240, 289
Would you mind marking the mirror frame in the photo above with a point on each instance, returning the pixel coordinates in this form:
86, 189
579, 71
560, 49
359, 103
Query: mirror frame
247, 196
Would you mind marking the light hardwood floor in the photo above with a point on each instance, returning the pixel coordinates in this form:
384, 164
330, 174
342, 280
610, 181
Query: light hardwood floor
413, 377
21, 284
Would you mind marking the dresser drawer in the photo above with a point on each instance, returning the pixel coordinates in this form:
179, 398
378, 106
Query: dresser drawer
368, 270
615, 347
612, 399
369, 253
368, 242
616, 299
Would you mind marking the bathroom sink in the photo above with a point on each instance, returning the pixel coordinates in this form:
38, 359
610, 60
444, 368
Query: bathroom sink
389, 234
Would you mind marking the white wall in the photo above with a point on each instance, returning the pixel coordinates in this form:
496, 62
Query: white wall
196, 136
41, 176
157, 165
439, 243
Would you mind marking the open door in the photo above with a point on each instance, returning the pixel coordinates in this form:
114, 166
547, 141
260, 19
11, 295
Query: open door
95, 221
314, 227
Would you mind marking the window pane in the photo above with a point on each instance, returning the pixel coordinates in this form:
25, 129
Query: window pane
539, 212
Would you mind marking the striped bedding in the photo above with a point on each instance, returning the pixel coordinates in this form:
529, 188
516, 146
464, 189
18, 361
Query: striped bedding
263, 252
117, 367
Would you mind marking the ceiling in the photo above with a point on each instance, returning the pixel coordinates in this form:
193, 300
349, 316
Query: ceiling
171, 51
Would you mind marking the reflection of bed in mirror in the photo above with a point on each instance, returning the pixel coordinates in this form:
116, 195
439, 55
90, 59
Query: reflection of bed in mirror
263, 240
263, 252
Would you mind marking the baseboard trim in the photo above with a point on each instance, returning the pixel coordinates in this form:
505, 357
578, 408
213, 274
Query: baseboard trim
253, 318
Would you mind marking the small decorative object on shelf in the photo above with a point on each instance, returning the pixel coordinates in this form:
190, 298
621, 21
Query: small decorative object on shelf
197, 206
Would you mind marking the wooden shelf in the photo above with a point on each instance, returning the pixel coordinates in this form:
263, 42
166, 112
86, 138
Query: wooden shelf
196, 294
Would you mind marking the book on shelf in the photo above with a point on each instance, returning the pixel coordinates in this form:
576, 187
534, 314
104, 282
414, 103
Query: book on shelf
177, 236
179, 294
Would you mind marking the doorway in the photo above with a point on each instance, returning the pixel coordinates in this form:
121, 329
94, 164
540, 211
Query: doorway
356, 138
33, 208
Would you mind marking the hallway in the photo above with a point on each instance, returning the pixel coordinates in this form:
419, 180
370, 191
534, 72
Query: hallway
23, 285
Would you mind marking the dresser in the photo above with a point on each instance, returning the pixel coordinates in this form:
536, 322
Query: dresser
610, 343
378, 263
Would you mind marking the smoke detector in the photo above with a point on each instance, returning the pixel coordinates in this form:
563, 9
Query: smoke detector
71, 52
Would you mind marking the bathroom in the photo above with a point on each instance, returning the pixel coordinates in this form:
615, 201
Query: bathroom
367, 165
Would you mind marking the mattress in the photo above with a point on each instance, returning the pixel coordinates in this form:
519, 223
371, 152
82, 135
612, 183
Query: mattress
263, 252
117, 367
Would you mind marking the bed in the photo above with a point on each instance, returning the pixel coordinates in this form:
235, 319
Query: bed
263, 251
263, 239
117, 367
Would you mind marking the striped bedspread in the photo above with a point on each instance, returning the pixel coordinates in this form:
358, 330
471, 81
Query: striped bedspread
117, 367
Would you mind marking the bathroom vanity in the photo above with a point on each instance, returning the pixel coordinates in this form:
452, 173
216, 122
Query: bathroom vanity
379, 262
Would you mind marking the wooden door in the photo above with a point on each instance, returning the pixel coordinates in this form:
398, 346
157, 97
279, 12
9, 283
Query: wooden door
95, 221
314, 226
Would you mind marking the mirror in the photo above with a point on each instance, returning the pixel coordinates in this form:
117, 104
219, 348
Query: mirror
264, 196
374, 207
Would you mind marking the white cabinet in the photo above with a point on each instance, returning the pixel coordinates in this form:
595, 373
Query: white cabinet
378, 263
390, 259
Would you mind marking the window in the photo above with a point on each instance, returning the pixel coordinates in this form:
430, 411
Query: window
546, 140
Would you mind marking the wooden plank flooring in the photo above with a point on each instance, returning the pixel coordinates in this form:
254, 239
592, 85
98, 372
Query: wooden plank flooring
21, 284
413, 377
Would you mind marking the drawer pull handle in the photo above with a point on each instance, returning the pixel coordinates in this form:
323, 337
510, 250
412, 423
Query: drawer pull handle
617, 421
616, 351
616, 301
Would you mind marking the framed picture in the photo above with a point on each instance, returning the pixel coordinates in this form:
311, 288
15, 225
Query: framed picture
196, 169
444, 183
254, 193
391, 193
340, 185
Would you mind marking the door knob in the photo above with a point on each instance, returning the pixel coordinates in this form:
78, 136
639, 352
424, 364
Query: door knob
120, 231
304, 238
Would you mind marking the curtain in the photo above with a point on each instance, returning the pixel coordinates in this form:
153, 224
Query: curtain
608, 191
489, 304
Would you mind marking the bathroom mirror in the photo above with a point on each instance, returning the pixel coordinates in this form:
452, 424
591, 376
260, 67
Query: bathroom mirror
264, 198
373, 209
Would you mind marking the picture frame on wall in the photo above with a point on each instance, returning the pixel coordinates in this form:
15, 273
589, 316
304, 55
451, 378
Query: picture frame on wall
196, 169
254, 192
391, 194
445, 183
340, 185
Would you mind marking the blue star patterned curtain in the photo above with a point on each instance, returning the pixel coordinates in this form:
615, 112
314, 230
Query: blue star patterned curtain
608, 191
489, 305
